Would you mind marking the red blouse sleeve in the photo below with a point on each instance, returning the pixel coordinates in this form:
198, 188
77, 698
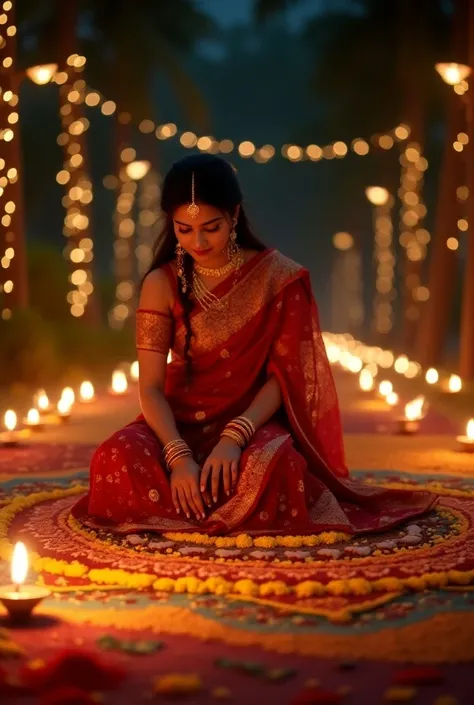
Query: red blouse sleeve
154, 331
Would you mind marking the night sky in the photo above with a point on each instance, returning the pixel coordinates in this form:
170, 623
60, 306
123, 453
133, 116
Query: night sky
230, 12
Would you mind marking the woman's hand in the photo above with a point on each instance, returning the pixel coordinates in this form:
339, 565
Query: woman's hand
223, 459
185, 487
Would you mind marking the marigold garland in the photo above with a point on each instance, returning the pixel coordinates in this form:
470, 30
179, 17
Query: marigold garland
215, 585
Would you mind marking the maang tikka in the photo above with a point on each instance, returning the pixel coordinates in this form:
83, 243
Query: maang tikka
193, 209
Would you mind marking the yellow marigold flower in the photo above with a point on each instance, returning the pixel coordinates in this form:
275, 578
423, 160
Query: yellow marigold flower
218, 586
436, 579
359, 586
459, 578
388, 584
415, 582
308, 588
246, 587
265, 542
243, 541
274, 587
164, 585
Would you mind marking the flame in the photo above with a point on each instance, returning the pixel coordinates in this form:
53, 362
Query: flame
455, 383
68, 395
10, 420
470, 429
119, 382
19, 567
169, 358
135, 371
366, 381
414, 409
432, 375
42, 401
385, 388
33, 417
86, 391
392, 399
64, 407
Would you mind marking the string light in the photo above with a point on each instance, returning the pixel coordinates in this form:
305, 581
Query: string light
413, 237
79, 195
13, 280
149, 219
384, 257
347, 300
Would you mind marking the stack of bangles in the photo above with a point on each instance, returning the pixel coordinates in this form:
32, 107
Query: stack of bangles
241, 430
174, 450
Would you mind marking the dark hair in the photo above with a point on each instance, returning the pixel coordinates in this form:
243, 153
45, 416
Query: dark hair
215, 184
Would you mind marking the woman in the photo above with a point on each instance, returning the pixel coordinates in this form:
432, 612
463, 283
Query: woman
241, 431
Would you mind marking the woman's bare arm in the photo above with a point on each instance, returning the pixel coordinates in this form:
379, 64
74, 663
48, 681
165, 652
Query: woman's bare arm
267, 401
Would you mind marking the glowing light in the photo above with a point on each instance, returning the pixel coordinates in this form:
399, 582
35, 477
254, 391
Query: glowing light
455, 384
64, 407
452, 243
342, 241
33, 417
453, 73
333, 353
377, 195
42, 401
470, 429
19, 565
392, 399
432, 375
41, 74
10, 420
366, 381
68, 395
138, 169
402, 364
86, 391
414, 409
135, 371
385, 388
119, 382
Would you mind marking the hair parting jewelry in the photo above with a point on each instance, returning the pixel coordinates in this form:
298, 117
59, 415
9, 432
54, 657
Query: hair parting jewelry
241, 430
193, 208
174, 450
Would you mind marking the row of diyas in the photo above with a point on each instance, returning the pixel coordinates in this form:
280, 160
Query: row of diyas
365, 361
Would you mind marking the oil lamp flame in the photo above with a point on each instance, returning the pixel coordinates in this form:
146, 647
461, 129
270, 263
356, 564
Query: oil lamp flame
119, 382
86, 391
10, 420
470, 430
19, 566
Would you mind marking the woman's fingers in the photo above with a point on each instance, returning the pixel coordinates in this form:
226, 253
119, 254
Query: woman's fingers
234, 470
174, 496
183, 501
216, 471
226, 477
205, 472
195, 499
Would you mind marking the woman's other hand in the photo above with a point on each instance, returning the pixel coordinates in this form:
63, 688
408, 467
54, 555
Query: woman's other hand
224, 459
185, 487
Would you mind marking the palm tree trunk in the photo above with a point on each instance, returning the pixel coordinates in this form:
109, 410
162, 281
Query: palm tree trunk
466, 359
78, 212
13, 224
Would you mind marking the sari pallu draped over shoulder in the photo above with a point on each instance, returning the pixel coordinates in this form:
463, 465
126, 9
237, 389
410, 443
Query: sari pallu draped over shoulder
292, 477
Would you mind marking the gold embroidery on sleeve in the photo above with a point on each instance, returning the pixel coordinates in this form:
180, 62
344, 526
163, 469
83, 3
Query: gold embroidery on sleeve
153, 331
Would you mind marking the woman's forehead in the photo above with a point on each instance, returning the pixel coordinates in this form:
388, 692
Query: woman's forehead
206, 213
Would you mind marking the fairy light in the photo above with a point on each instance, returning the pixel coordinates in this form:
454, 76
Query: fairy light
384, 257
149, 219
79, 249
13, 280
347, 300
413, 238
124, 265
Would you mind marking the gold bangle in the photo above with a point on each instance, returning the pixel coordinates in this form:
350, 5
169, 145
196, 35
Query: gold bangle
247, 423
177, 456
235, 436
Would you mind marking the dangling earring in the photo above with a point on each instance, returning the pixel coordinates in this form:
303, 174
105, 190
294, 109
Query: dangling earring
180, 267
233, 250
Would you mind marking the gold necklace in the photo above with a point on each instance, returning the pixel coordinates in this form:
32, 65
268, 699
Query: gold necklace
205, 297
219, 272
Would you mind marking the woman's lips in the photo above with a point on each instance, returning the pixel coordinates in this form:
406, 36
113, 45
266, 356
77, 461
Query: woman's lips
203, 252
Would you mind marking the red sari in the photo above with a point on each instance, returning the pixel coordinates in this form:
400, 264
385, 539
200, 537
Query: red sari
292, 477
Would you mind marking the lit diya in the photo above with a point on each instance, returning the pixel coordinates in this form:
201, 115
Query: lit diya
467, 442
18, 599
414, 411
